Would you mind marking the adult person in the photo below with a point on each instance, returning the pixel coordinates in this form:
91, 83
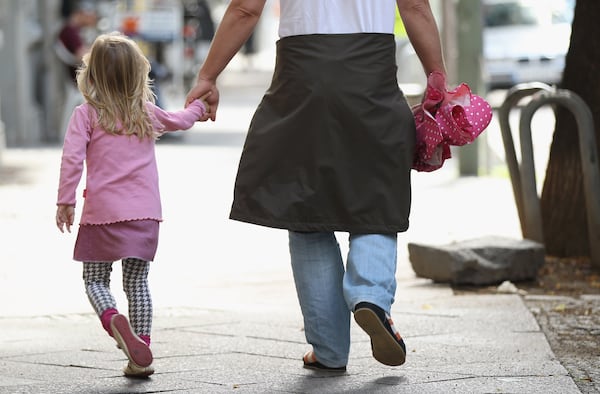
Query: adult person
330, 149
70, 46
77, 15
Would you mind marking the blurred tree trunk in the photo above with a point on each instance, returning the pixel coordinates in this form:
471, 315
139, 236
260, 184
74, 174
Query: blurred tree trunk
563, 204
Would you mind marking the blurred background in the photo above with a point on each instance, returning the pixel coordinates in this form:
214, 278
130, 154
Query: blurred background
41, 43
490, 44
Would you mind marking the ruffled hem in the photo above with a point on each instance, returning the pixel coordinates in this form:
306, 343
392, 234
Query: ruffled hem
103, 223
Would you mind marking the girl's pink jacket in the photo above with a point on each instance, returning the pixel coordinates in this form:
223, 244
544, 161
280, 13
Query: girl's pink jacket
121, 173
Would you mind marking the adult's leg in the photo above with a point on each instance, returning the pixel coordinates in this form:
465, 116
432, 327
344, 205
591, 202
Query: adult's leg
318, 271
371, 270
369, 288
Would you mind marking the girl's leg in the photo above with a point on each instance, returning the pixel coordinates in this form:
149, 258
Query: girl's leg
318, 273
96, 277
135, 285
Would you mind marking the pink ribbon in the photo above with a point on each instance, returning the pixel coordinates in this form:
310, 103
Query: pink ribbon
446, 118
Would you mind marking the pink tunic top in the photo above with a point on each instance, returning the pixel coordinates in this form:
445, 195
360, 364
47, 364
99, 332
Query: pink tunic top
122, 177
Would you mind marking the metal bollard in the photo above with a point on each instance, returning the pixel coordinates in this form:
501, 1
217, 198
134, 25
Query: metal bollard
589, 163
513, 98
523, 178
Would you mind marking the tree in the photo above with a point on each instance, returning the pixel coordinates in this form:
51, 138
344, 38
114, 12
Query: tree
562, 199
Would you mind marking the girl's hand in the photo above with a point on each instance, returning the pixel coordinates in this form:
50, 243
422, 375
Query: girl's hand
65, 215
206, 115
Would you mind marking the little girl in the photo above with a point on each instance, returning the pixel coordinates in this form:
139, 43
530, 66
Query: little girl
114, 133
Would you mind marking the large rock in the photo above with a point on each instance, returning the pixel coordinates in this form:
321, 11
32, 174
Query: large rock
482, 261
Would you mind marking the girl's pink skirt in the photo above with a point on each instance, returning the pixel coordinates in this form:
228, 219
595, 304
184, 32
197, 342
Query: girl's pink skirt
117, 241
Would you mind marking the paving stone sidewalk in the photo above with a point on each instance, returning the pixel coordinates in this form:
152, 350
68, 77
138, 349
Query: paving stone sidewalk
456, 344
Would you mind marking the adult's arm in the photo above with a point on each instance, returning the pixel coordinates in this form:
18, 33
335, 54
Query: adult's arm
423, 33
237, 25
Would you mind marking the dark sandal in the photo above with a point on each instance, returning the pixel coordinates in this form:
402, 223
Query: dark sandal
386, 343
310, 362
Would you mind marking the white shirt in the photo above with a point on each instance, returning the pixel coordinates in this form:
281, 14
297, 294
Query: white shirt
300, 17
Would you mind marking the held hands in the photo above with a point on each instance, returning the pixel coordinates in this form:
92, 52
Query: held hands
206, 91
65, 215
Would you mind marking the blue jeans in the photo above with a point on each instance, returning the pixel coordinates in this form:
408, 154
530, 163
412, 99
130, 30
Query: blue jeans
328, 293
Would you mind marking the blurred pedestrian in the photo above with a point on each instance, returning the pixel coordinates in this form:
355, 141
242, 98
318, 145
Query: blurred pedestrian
70, 46
78, 15
159, 72
114, 134
330, 148
198, 32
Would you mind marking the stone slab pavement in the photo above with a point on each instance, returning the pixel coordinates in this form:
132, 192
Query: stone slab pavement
464, 344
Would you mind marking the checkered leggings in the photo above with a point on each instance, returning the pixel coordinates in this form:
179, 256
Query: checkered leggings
96, 277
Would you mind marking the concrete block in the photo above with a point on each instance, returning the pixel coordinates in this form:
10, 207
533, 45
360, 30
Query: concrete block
482, 261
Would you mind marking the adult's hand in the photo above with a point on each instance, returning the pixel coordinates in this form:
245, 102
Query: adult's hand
207, 90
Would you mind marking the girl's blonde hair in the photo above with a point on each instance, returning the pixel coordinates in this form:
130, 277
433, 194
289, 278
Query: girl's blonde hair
114, 80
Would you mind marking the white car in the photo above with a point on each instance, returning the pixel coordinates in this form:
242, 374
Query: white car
525, 41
